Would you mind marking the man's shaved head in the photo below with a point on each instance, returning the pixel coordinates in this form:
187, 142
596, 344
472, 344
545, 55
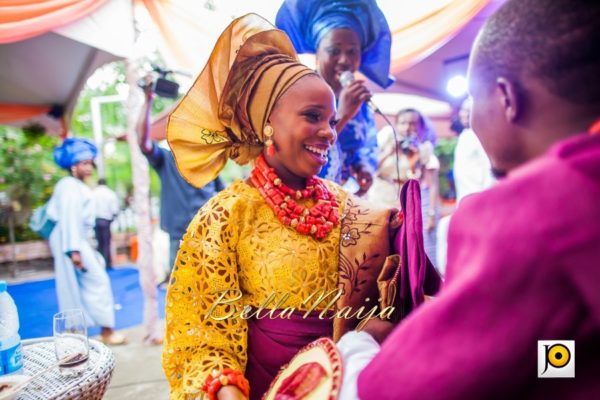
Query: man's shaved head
555, 41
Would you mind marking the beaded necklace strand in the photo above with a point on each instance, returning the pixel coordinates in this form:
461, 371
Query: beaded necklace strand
317, 220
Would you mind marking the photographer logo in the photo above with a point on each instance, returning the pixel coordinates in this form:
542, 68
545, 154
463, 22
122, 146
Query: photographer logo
556, 359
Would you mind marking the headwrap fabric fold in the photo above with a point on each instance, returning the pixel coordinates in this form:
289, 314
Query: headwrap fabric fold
308, 21
74, 150
223, 114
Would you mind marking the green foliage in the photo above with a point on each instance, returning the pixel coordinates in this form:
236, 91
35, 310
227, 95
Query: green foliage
27, 176
444, 150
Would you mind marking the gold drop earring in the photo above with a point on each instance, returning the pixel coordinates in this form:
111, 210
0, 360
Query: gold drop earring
268, 132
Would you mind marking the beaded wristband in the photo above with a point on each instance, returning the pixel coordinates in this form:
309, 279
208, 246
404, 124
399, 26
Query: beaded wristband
216, 380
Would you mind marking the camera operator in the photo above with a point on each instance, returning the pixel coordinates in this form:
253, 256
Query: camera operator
179, 201
416, 160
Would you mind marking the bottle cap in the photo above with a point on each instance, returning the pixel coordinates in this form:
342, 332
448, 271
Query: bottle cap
2, 286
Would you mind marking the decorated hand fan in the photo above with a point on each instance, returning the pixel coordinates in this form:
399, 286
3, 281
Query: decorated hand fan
315, 373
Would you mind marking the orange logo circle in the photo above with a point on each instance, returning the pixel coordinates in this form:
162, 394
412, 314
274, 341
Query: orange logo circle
558, 355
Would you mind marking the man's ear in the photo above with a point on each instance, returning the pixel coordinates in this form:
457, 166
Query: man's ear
510, 100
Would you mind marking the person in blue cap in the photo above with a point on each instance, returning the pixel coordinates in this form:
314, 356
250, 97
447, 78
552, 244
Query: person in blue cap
81, 279
345, 35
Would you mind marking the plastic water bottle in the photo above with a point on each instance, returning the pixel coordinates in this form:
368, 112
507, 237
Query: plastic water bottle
10, 341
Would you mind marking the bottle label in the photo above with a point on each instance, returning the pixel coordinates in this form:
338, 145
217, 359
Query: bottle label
12, 359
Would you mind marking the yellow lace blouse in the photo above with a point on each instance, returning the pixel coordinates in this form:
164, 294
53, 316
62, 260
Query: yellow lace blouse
235, 242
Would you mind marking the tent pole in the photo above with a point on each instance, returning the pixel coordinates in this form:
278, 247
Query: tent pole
141, 206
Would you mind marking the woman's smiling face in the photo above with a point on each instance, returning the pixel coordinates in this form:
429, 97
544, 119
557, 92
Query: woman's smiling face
338, 51
303, 122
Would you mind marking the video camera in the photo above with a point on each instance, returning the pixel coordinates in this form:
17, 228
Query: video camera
162, 86
409, 145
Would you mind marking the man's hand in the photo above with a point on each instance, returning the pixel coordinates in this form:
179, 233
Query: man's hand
364, 178
143, 124
76, 259
378, 328
230, 392
148, 81
351, 99
430, 226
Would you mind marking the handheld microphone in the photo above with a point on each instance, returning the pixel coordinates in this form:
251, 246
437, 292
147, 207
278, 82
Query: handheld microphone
346, 78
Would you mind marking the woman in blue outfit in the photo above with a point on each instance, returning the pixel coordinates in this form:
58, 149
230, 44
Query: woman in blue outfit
81, 279
345, 35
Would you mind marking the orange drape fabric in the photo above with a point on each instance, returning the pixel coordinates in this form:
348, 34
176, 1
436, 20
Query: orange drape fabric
24, 19
188, 31
414, 41
180, 20
163, 15
18, 112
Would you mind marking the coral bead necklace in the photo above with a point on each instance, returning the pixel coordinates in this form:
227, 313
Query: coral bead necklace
317, 220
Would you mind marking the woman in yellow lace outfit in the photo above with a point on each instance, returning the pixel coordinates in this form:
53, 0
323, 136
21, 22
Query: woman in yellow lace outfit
273, 242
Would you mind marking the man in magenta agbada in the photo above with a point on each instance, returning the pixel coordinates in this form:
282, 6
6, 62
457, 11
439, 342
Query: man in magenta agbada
524, 256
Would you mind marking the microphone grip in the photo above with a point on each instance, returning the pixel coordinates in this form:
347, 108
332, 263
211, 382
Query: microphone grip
346, 78
374, 107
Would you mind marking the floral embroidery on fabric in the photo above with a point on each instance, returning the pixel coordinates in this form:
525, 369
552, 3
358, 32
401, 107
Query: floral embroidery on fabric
350, 236
212, 137
350, 272
364, 245
236, 244
352, 230
350, 233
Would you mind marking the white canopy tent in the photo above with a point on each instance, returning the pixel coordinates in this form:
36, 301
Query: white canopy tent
51, 69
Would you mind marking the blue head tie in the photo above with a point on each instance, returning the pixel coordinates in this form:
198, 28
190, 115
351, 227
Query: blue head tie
307, 21
74, 150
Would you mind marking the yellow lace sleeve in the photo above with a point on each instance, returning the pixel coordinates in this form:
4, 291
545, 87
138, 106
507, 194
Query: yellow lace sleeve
205, 267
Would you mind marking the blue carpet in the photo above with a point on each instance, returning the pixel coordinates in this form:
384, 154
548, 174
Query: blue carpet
37, 303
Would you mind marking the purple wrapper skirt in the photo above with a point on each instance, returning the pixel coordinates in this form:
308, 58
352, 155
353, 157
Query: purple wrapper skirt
272, 343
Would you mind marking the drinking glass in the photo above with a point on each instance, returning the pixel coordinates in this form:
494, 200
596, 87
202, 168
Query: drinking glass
71, 341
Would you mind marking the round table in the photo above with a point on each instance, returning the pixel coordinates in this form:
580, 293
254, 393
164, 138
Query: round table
38, 355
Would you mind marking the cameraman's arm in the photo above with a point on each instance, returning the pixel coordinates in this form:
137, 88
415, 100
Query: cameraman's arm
143, 124
153, 153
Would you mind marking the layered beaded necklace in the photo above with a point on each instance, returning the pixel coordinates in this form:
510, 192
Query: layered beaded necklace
317, 220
